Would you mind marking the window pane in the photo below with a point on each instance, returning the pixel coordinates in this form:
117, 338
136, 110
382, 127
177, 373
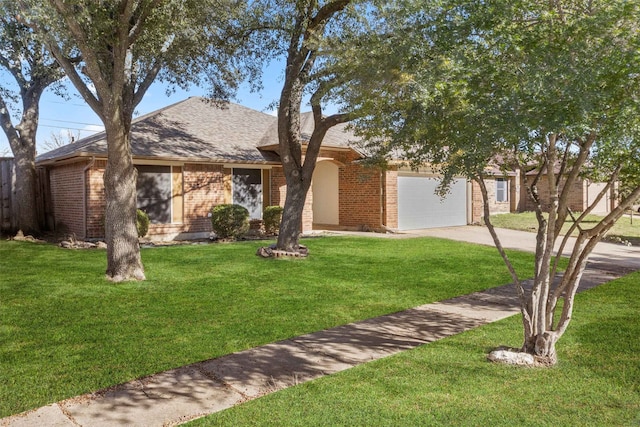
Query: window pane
247, 190
501, 190
154, 192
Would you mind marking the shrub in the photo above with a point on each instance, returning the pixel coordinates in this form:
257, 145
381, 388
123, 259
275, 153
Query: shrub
142, 223
272, 217
229, 221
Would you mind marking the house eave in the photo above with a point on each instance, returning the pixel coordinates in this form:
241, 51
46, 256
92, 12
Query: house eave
74, 158
276, 147
77, 157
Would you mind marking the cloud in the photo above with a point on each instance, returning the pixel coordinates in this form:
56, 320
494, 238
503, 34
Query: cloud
91, 129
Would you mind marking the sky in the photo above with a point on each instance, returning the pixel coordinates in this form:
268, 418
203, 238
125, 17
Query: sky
60, 116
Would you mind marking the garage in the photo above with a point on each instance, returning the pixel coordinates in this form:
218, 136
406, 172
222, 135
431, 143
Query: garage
419, 206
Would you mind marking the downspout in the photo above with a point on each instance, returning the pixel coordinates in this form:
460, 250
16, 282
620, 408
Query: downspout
84, 195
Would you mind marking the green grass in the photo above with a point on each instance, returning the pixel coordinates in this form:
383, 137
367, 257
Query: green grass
449, 382
65, 330
625, 229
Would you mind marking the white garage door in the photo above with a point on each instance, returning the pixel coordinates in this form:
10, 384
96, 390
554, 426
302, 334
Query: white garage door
419, 206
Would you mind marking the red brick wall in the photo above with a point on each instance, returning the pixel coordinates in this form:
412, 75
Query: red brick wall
203, 189
391, 198
307, 212
202, 184
361, 197
96, 202
278, 194
576, 196
67, 197
477, 204
360, 193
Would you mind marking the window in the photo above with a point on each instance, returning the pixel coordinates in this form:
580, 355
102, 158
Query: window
247, 190
154, 192
502, 190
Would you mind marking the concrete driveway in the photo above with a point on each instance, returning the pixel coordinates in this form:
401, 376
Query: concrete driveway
627, 257
609, 253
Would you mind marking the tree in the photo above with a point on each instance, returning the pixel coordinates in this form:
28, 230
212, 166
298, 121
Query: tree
33, 70
536, 85
57, 139
309, 34
126, 45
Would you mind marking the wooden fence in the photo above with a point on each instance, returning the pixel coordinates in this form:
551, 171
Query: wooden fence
8, 221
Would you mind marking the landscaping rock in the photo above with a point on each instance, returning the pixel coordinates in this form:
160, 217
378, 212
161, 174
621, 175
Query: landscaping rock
271, 252
79, 244
512, 357
22, 238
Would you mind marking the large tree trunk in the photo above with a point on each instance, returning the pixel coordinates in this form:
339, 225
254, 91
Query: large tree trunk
288, 238
542, 347
22, 139
26, 190
123, 249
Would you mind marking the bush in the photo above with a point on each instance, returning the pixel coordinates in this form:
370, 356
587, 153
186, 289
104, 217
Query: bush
272, 216
142, 223
229, 221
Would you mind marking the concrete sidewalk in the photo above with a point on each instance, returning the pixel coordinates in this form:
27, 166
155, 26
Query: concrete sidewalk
189, 392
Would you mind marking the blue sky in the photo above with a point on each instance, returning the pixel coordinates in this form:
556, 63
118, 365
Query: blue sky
61, 116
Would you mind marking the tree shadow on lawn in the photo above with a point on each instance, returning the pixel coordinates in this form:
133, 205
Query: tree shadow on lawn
216, 384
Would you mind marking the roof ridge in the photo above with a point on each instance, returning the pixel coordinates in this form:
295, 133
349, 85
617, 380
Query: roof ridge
156, 112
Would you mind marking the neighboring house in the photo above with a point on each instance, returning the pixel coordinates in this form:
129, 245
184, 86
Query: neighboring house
503, 192
507, 192
194, 155
581, 196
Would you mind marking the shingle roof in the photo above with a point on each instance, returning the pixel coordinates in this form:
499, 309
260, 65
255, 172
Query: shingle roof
196, 129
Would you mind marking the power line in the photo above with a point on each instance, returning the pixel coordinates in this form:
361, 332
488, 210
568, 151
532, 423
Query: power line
66, 103
68, 121
64, 127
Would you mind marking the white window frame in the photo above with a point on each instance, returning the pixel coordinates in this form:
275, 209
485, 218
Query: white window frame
502, 189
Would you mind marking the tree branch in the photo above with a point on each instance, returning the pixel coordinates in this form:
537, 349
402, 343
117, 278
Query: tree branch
6, 123
146, 83
326, 12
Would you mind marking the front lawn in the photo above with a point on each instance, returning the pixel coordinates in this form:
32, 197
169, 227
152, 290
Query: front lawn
65, 330
449, 382
625, 230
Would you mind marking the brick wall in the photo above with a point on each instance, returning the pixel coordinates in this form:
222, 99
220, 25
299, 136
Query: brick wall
361, 197
202, 185
360, 193
203, 189
96, 202
278, 194
477, 204
576, 200
67, 197
278, 186
494, 205
390, 207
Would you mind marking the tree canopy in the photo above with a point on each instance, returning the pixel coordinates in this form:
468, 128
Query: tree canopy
551, 87
313, 37
30, 70
125, 46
